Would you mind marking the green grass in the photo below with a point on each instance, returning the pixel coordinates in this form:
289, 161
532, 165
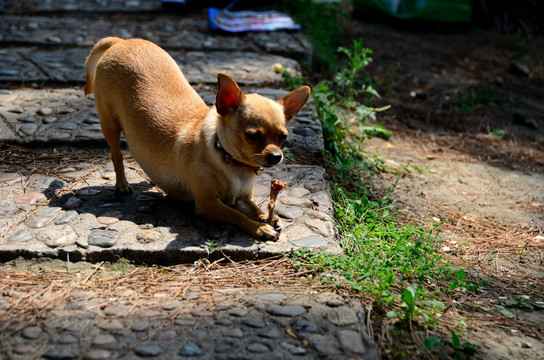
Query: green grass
399, 266
485, 95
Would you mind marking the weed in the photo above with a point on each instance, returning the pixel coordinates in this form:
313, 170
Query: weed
485, 95
400, 266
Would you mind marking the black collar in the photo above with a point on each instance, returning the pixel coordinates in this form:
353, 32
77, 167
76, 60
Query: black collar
228, 159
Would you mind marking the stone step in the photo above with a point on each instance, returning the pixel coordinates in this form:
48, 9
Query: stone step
168, 31
65, 115
78, 6
27, 65
82, 220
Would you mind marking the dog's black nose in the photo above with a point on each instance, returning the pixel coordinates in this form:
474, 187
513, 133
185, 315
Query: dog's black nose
273, 158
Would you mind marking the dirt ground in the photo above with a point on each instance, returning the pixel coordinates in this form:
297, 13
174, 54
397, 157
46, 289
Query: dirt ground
468, 152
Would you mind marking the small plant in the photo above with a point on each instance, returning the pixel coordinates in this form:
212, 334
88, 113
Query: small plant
486, 95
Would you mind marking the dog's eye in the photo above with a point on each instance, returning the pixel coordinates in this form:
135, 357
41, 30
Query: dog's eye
254, 135
282, 138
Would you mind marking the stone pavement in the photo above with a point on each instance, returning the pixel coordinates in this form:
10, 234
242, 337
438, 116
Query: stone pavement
66, 208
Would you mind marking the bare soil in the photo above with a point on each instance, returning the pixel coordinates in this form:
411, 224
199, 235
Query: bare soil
467, 151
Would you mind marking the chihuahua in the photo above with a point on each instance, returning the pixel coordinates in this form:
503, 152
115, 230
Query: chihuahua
210, 156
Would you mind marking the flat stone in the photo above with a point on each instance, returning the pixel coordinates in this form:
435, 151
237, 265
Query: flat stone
28, 129
97, 354
223, 321
8, 209
44, 111
287, 311
110, 325
233, 332
257, 348
62, 353
144, 350
270, 333
140, 326
305, 326
30, 198
202, 313
341, 316
27, 119
110, 217
187, 321
73, 203
32, 332
42, 217
62, 235
67, 125
293, 349
271, 297
324, 344
166, 335
300, 202
16, 110
311, 242
104, 339
305, 132
103, 238
331, 299
172, 305
254, 322
351, 341
319, 227
67, 339
88, 192
21, 236
238, 312
117, 310
148, 236
190, 350
315, 214
66, 218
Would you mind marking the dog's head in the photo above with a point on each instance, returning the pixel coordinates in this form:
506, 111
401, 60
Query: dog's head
253, 128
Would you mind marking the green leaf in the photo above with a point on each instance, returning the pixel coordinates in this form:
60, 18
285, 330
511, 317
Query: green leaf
432, 342
455, 342
392, 314
504, 312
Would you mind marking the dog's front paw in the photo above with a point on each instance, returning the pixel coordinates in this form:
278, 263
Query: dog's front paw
267, 232
123, 190
276, 223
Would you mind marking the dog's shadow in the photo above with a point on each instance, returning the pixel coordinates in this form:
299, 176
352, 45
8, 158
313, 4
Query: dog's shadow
183, 234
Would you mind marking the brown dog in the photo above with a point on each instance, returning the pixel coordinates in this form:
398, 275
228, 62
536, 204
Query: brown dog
192, 152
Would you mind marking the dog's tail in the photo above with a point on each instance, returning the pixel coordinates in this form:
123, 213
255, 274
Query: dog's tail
92, 60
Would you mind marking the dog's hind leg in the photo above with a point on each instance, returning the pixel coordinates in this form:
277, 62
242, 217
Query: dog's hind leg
112, 133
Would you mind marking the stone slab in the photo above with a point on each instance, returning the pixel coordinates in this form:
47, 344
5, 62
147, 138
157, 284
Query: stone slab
168, 31
147, 226
22, 65
65, 115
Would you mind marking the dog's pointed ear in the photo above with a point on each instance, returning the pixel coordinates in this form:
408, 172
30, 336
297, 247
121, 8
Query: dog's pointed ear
294, 101
229, 96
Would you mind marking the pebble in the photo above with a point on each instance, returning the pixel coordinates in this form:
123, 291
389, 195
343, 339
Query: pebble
103, 238
257, 348
144, 350
300, 202
186, 321
110, 325
190, 350
49, 119
238, 312
140, 326
148, 236
305, 132
293, 349
27, 119
88, 192
67, 339
32, 332
312, 242
104, 339
351, 341
62, 353
97, 354
223, 321
44, 111
287, 311
66, 218
270, 333
254, 322
21, 236
271, 297
42, 217
166, 335
303, 325
62, 235
73, 202
331, 299
233, 332
341, 316
16, 110
110, 217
